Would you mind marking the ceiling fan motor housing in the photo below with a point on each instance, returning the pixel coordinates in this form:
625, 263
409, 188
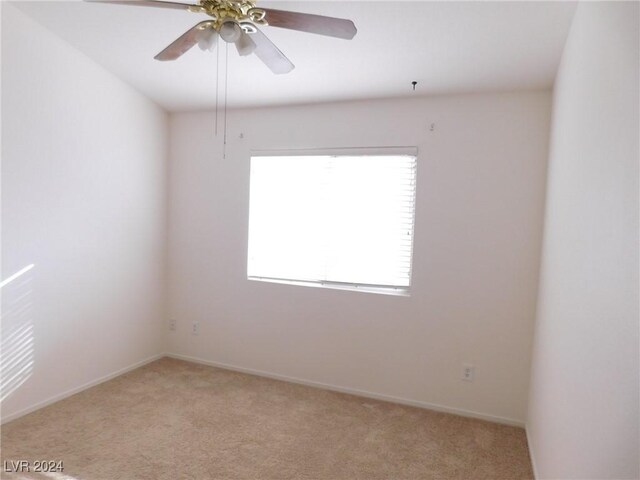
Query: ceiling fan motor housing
240, 11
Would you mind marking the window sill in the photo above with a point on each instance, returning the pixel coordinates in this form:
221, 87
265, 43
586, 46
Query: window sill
394, 291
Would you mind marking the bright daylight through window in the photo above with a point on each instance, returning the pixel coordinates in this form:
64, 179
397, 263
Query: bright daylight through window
343, 221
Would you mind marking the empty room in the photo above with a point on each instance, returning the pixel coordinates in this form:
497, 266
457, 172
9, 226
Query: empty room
321, 240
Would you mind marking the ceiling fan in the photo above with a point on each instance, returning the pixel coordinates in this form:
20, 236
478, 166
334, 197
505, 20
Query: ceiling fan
237, 21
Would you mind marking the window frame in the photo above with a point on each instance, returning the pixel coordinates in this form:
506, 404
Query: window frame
412, 151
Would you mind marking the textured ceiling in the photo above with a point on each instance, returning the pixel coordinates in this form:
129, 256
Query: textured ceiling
448, 47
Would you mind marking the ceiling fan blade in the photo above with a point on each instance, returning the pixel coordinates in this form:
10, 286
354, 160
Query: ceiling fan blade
149, 3
270, 55
182, 44
306, 22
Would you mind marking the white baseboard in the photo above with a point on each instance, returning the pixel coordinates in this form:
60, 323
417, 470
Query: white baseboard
531, 455
353, 391
75, 390
275, 376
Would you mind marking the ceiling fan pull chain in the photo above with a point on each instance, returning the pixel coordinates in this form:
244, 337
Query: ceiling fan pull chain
226, 84
217, 84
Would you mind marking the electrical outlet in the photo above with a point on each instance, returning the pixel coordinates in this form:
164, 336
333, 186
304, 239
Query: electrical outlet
172, 325
195, 328
468, 372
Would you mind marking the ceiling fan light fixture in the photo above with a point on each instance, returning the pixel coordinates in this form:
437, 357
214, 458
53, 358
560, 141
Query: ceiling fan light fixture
207, 39
230, 31
245, 45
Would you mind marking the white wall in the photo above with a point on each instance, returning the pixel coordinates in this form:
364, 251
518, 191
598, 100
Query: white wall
84, 201
481, 181
583, 415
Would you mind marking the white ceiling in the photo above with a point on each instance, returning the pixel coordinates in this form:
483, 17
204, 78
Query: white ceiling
448, 47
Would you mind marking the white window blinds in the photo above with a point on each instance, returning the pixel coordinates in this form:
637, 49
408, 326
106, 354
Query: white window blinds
332, 219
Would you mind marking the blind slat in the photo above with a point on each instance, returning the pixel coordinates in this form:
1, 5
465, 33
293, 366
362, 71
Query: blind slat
346, 219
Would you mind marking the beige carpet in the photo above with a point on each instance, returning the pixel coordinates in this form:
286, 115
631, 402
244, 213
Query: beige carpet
176, 420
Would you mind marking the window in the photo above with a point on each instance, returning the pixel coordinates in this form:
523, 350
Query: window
344, 221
